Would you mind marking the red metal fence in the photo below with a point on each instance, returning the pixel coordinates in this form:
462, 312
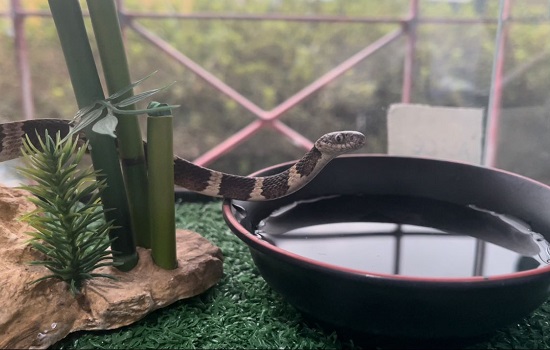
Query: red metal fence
406, 27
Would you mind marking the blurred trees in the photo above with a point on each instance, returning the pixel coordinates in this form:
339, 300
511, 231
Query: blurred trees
269, 61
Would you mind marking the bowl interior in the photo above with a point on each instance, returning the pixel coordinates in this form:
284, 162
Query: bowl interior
419, 204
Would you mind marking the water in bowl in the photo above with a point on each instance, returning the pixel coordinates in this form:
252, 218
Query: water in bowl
406, 236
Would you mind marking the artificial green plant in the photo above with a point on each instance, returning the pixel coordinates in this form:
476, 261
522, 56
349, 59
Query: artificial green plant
161, 187
112, 117
67, 16
70, 229
110, 45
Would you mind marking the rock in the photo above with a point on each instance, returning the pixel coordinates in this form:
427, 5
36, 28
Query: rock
38, 315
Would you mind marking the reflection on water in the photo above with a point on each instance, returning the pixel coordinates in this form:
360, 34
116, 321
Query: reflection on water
405, 235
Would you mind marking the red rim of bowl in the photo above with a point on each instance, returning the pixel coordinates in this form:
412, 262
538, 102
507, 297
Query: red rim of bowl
252, 240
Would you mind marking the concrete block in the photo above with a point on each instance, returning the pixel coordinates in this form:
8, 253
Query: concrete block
437, 132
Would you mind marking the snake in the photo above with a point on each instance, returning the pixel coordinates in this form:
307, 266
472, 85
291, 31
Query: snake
202, 180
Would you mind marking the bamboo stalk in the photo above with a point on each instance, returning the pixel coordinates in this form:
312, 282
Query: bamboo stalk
108, 35
71, 30
161, 190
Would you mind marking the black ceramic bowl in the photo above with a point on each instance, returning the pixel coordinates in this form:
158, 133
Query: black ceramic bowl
398, 305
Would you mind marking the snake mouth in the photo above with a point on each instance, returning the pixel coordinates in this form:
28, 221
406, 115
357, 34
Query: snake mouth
358, 141
348, 147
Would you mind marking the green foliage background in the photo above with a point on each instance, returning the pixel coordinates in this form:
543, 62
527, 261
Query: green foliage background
268, 61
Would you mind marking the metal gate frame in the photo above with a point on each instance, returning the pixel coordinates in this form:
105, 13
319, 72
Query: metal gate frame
270, 118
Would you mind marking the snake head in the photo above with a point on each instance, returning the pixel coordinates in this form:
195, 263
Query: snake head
339, 142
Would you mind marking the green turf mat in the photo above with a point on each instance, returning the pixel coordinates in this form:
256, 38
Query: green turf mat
243, 312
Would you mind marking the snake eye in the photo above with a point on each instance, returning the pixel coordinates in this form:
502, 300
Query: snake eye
339, 138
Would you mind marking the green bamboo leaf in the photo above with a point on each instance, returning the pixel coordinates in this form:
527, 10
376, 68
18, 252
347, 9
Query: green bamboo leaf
86, 120
107, 125
142, 111
83, 111
141, 96
129, 87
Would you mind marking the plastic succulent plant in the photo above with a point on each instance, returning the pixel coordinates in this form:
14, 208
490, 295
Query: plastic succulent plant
69, 224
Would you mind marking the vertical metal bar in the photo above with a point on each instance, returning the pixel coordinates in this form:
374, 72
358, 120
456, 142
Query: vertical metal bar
479, 258
22, 58
408, 67
123, 19
492, 123
119, 5
398, 235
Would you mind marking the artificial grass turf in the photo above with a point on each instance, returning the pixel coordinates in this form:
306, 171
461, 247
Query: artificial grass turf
241, 311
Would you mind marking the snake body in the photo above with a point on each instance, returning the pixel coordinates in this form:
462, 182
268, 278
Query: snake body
203, 180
